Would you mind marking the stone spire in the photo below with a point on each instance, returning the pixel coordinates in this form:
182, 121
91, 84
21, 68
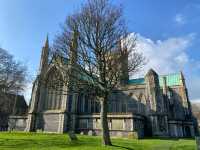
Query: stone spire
182, 79
47, 41
44, 56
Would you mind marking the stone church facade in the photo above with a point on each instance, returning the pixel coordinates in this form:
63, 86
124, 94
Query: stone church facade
150, 106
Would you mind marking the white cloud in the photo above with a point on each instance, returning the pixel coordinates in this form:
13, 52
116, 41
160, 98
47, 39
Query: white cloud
165, 56
182, 59
180, 19
193, 84
196, 101
170, 56
27, 92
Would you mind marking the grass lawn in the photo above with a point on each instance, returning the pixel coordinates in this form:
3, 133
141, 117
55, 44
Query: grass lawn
39, 141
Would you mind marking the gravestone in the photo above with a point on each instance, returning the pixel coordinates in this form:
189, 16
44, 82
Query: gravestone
91, 133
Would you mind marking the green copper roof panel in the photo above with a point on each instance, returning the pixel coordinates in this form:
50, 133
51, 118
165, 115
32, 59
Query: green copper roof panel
171, 79
136, 81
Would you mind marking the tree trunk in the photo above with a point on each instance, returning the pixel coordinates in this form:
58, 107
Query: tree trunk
72, 136
71, 132
104, 122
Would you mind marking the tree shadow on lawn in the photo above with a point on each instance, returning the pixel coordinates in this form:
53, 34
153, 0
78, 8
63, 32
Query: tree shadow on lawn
25, 143
124, 147
6, 143
166, 138
42, 143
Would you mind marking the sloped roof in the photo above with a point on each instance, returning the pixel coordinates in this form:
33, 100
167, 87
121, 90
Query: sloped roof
8, 101
171, 80
136, 81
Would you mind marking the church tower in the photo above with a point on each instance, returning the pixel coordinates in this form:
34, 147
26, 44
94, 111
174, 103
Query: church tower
124, 74
153, 91
38, 89
72, 96
184, 94
157, 116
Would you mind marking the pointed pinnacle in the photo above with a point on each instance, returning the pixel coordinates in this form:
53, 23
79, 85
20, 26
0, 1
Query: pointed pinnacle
47, 41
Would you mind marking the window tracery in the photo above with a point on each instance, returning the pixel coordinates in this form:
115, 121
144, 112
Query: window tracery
54, 90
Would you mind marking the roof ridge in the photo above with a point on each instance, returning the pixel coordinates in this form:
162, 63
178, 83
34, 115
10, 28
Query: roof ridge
178, 73
137, 78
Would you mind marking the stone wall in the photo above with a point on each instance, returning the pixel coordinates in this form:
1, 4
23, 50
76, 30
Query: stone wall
11, 104
121, 125
17, 123
51, 122
48, 122
181, 129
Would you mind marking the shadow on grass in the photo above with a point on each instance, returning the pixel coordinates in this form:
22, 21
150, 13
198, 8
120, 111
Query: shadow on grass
118, 146
24, 143
166, 138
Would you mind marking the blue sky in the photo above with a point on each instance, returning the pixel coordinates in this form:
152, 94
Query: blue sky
168, 32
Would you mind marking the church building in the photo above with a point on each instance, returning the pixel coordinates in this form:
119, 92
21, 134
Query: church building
155, 105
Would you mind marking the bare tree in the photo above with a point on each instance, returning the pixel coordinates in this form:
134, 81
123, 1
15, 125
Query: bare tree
12, 73
12, 81
98, 46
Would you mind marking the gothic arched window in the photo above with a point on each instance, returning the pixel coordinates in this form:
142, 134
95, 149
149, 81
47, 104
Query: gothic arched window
54, 90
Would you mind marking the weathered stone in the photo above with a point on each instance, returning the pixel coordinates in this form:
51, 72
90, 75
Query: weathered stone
133, 135
119, 134
117, 124
91, 133
39, 131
